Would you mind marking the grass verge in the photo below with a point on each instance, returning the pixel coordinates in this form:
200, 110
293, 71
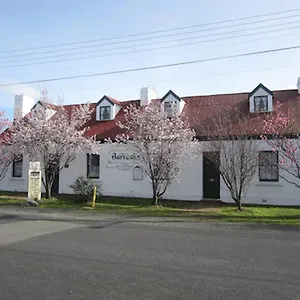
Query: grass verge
182, 209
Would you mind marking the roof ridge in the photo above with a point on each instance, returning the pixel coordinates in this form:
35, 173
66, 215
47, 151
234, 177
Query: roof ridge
191, 96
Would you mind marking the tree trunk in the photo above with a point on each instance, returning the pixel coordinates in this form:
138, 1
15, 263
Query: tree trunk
48, 185
48, 191
154, 198
239, 204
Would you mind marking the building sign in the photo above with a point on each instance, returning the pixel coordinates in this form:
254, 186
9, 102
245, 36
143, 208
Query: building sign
122, 156
34, 181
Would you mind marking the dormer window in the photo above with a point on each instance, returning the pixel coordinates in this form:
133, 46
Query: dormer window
261, 100
260, 103
171, 104
105, 112
107, 108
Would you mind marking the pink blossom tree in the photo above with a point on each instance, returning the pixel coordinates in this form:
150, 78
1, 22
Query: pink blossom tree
230, 143
282, 133
162, 144
5, 155
53, 135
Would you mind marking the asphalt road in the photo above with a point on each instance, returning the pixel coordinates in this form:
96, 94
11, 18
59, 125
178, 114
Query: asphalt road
42, 259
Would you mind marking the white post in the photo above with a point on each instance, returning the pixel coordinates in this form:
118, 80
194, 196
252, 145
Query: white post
34, 181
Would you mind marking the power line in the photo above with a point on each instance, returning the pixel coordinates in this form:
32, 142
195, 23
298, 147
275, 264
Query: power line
197, 77
155, 66
147, 44
154, 32
155, 37
151, 56
144, 50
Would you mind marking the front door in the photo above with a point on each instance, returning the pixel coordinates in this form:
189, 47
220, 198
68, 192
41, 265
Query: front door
211, 175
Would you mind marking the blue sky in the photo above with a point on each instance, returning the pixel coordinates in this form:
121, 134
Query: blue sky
32, 24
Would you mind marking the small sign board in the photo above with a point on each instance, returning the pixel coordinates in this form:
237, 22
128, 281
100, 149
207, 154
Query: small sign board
138, 173
34, 181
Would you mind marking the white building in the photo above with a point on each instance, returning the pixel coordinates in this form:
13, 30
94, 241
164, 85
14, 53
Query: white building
120, 175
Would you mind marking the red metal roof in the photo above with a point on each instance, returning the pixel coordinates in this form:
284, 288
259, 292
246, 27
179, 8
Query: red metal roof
199, 109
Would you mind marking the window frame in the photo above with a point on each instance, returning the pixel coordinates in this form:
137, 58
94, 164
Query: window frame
88, 167
267, 165
15, 161
102, 108
259, 97
170, 113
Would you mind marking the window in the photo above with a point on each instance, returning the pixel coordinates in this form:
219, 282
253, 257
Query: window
17, 167
268, 166
104, 112
260, 103
170, 108
93, 165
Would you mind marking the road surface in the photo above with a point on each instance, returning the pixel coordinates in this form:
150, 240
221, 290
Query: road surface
121, 259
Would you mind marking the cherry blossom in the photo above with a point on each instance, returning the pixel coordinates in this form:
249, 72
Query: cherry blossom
282, 133
53, 135
5, 155
163, 144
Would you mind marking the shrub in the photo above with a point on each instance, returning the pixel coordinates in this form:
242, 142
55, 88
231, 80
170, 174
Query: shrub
83, 189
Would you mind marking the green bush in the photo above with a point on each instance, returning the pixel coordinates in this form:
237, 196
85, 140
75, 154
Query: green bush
83, 189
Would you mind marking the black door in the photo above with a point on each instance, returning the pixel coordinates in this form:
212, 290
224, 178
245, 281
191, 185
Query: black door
55, 186
211, 175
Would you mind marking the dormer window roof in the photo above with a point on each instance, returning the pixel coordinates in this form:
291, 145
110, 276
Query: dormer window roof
172, 104
168, 94
261, 99
107, 108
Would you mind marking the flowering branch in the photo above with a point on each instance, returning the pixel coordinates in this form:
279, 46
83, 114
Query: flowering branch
282, 133
53, 135
163, 144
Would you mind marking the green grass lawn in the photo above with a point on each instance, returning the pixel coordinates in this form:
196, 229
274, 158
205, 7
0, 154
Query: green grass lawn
183, 209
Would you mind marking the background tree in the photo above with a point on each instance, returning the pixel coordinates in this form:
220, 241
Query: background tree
5, 155
282, 130
53, 135
163, 144
231, 140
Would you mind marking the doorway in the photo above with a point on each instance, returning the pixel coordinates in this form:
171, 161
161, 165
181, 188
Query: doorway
211, 175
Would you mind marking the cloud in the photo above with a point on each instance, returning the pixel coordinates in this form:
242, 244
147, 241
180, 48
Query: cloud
18, 89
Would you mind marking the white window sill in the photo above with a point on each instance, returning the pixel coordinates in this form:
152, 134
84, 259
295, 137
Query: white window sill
268, 183
16, 179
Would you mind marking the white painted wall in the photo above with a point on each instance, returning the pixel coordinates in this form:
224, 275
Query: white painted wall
118, 182
261, 92
19, 184
268, 193
50, 113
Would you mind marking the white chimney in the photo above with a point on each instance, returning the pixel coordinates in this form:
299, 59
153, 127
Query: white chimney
23, 105
147, 94
298, 85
